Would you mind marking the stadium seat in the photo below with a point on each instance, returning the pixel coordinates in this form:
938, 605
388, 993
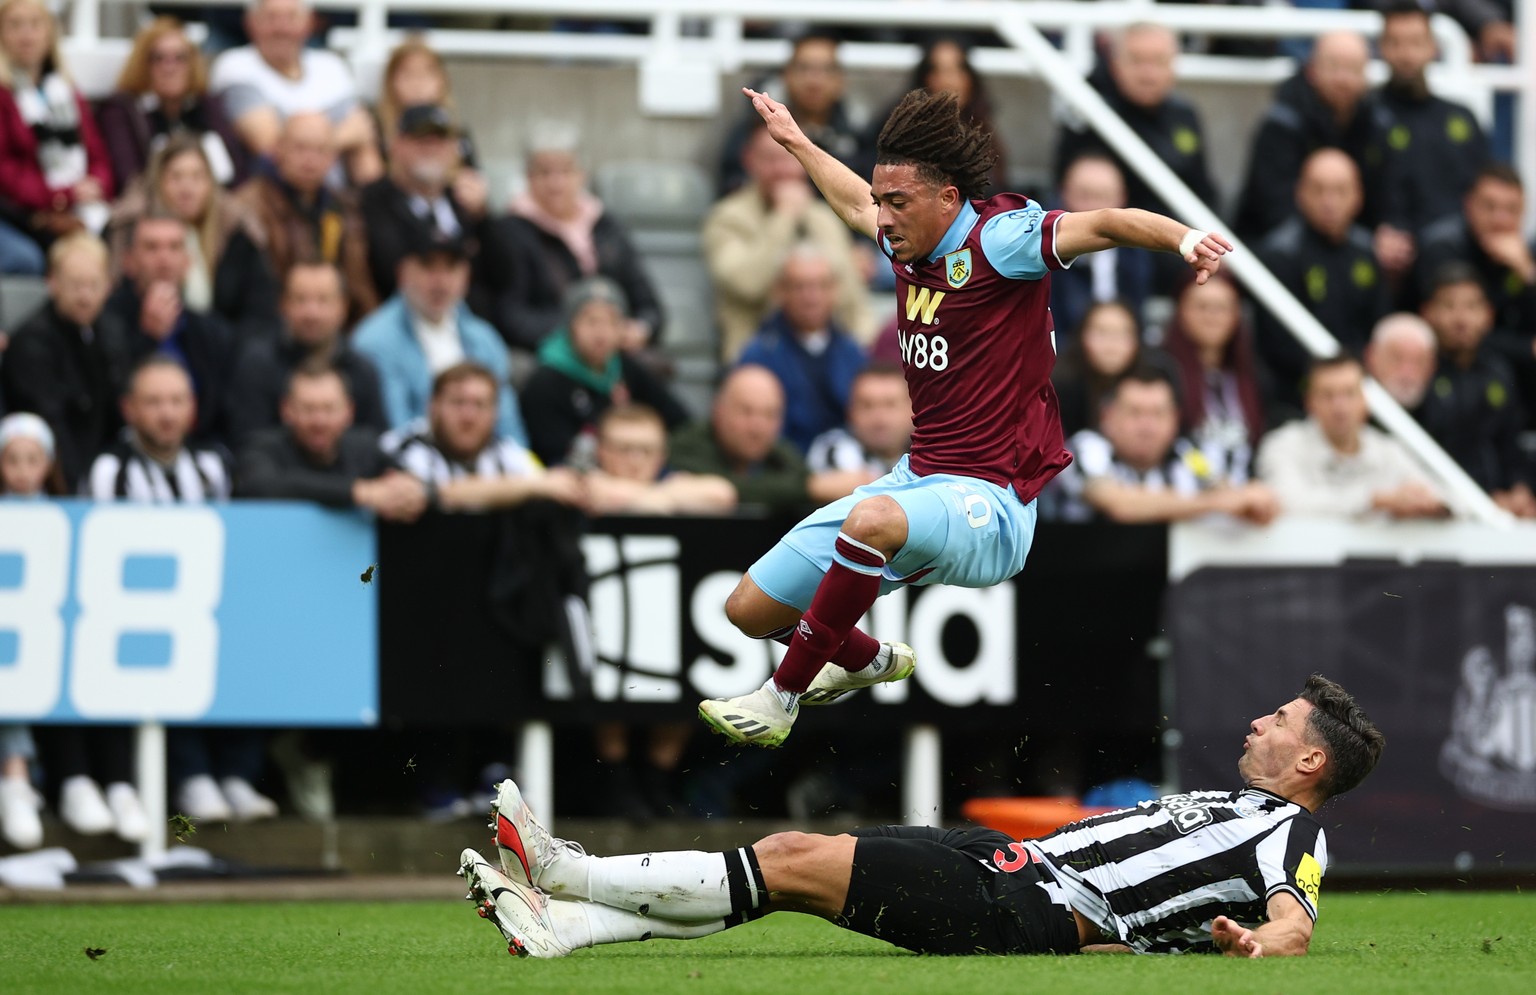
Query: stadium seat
20, 297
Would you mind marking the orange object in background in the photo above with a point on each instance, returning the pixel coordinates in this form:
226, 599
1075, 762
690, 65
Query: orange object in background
1028, 818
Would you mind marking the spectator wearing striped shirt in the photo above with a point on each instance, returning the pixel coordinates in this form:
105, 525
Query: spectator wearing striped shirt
879, 428
153, 463
456, 449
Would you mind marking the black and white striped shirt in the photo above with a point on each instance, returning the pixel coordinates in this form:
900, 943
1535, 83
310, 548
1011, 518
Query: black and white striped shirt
413, 447
1154, 876
125, 473
837, 449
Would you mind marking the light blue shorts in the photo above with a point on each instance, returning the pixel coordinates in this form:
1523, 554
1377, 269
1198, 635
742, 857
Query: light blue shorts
960, 531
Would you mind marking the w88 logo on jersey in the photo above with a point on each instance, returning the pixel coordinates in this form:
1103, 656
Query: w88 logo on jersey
923, 351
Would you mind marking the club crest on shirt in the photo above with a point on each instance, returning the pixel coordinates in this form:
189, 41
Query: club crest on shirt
957, 268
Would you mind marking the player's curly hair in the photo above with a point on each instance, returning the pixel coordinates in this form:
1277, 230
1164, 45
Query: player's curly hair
927, 130
1351, 740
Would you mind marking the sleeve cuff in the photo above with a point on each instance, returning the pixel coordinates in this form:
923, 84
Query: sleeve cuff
1048, 254
1295, 893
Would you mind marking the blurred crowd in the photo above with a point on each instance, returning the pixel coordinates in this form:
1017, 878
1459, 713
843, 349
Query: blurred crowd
260, 286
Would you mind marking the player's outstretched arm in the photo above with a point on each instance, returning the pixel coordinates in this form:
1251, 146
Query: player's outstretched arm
1091, 231
1288, 933
845, 191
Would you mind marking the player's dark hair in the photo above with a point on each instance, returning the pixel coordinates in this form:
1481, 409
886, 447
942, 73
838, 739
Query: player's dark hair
1499, 172
927, 131
1350, 739
1453, 274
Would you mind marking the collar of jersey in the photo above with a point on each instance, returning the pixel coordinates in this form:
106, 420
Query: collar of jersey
958, 230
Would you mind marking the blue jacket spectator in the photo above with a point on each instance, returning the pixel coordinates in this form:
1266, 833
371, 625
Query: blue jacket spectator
426, 328
807, 350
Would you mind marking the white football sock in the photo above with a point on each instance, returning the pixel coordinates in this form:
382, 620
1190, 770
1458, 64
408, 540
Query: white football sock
790, 699
588, 924
686, 885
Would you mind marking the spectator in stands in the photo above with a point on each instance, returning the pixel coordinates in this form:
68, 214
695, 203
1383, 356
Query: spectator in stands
162, 92
27, 472
562, 234
1326, 104
741, 443
148, 302
879, 426
1489, 23
1487, 235
55, 177
1332, 464
426, 191
945, 66
69, 362
314, 309
154, 463
277, 77
1104, 346
812, 86
631, 475
1094, 182
1437, 144
747, 231
1402, 357
457, 451
415, 76
1472, 408
1327, 260
290, 213
426, 328
802, 343
1221, 397
179, 180
1137, 82
583, 371
318, 455
1140, 470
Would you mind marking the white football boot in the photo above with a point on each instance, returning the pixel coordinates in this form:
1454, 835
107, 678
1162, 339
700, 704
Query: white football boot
833, 682
762, 718
526, 849
520, 913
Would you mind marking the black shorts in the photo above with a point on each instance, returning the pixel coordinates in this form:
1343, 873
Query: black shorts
939, 891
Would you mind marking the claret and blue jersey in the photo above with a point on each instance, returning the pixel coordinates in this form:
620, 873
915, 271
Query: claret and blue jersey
974, 325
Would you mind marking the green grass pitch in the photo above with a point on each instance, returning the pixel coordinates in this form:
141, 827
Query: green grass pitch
1468, 944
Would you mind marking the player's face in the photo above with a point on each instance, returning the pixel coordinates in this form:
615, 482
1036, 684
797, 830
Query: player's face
1274, 743
317, 411
1460, 316
1407, 46
880, 413
632, 451
1336, 399
463, 416
914, 213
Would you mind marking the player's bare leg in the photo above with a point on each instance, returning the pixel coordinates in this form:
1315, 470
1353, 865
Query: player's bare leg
825, 637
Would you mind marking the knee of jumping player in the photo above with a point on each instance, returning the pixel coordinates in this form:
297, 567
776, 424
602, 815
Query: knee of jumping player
756, 614
878, 522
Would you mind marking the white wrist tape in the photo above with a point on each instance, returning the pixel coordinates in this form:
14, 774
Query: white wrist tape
1192, 238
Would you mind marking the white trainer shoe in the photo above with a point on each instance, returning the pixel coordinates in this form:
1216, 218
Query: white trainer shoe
833, 682
761, 718
519, 912
200, 798
19, 824
246, 804
526, 849
83, 808
129, 819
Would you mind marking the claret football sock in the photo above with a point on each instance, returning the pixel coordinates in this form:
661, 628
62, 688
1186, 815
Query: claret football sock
689, 886
588, 924
851, 585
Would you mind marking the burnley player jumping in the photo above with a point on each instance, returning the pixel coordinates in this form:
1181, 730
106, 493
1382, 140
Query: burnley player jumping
972, 289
